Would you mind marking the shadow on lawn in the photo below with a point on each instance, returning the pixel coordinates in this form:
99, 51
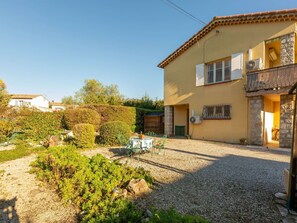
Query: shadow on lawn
230, 188
8, 212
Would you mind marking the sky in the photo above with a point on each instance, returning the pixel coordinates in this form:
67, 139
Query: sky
50, 47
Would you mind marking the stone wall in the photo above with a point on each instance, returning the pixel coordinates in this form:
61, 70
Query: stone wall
256, 105
168, 119
287, 55
286, 121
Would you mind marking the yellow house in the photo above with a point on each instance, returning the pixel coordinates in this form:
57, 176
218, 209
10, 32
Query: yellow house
230, 81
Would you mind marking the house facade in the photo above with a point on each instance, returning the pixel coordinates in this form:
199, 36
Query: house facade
230, 81
57, 106
29, 100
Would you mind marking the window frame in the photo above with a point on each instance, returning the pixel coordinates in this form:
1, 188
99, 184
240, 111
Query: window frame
211, 74
223, 108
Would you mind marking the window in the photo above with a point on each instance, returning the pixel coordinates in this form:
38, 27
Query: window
219, 71
217, 112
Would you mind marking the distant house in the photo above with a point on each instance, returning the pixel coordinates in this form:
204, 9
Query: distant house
57, 106
29, 100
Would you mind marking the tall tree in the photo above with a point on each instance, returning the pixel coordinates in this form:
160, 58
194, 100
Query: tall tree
94, 92
4, 96
68, 100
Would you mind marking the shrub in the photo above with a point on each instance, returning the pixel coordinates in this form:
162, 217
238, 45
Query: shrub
90, 183
6, 130
172, 216
84, 135
110, 132
39, 125
111, 113
81, 115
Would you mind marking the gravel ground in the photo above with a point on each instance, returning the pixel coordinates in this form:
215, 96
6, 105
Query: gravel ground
222, 182
23, 199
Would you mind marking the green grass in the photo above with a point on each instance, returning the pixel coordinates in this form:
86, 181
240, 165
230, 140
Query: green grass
21, 150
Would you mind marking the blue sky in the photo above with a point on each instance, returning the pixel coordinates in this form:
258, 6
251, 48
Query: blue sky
50, 47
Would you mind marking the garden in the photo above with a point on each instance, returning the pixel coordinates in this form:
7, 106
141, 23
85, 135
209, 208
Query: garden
103, 190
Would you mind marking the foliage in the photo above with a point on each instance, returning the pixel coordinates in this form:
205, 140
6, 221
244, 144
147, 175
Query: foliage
145, 102
21, 149
94, 92
111, 113
84, 135
172, 216
110, 132
4, 97
81, 115
39, 125
68, 100
90, 183
6, 129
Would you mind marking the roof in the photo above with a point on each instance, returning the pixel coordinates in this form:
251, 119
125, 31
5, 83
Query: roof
57, 103
251, 18
24, 96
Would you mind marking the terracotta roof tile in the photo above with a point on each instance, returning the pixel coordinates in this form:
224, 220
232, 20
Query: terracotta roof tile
24, 96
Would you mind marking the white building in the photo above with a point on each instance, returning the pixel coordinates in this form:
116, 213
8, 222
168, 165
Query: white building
29, 100
57, 106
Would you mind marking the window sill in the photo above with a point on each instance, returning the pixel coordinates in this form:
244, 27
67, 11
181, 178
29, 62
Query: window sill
216, 118
222, 82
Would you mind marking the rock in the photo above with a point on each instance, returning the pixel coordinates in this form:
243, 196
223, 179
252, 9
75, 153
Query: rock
281, 196
283, 210
148, 213
53, 141
138, 186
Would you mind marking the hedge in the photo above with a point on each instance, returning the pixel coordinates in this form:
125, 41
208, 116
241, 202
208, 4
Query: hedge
40, 125
114, 133
84, 135
111, 113
81, 115
6, 129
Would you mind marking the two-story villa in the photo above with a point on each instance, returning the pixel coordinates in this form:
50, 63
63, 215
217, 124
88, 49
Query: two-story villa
230, 81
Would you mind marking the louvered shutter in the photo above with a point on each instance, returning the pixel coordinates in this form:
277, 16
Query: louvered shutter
200, 75
236, 66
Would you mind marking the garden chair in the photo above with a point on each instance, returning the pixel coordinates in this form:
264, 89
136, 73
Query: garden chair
159, 145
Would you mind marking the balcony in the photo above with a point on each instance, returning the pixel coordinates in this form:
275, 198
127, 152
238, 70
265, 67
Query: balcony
272, 80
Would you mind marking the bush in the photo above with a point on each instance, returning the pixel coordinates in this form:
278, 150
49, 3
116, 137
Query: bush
84, 135
90, 183
6, 130
111, 113
172, 216
81, 115
39, 125
110, 132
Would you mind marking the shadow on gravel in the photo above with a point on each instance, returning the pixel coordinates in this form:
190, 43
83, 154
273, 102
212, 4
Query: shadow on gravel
8, 212
229, 189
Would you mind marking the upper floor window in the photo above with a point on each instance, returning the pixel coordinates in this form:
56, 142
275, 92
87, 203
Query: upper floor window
219, 71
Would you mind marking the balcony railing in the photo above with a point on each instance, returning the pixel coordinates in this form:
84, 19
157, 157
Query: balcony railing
272, 78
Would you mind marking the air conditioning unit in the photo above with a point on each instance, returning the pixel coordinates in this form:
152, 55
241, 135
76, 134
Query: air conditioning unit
196, 119
252, 65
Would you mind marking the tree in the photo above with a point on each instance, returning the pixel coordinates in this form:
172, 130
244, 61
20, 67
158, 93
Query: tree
94, 92
68, 100
4, 96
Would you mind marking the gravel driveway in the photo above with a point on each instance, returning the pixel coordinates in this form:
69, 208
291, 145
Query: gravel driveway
222, 182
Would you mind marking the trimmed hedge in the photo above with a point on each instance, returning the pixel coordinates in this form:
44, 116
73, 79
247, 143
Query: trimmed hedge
81, 115
114, 133
111, 113
39, 125
84, 135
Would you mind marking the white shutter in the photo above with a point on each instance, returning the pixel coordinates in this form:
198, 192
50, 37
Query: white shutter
200, 74
236, 66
